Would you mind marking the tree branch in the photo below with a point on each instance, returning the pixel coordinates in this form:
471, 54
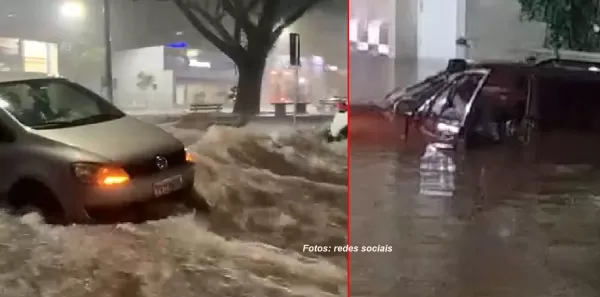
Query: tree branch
268, 15
215, 21
239, 12
292, 18
253, 4
232, 50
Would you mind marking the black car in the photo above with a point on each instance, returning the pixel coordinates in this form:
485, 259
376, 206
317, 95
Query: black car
496, 103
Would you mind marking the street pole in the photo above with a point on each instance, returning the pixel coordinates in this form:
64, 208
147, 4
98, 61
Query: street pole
295, 63
297, 92
108, 73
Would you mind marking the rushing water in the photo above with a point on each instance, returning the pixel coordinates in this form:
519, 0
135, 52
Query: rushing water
271, 193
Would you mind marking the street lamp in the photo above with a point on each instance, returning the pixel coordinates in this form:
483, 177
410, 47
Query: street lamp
72, 10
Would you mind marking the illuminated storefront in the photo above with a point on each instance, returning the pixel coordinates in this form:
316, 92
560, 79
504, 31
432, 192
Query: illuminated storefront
282, 86
19, 55
316, 79
10, 55
41, 57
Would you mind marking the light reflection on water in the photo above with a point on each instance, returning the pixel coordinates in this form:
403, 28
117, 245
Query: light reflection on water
437, 171
498, 222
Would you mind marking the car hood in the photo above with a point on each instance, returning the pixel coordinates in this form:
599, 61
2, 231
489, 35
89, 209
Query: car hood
119, 140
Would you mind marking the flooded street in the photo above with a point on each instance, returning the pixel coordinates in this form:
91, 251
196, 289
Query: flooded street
272, 192
492, 223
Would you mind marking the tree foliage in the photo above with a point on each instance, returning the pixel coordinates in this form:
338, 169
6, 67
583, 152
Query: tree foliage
245, 31
571, 24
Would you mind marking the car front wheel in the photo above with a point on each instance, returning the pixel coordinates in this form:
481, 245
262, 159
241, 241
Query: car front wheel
30, 195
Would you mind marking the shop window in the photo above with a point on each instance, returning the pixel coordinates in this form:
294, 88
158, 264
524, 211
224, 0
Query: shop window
35, 56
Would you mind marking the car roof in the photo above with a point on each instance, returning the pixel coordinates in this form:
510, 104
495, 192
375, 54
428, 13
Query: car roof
500, 65
566, 68
564, 64
21, 76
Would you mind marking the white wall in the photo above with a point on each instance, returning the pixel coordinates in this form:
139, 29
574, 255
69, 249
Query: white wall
211, 92
377, 11
372, 76
405, 29
439, 24
423, 46
437, 29
131, 97
497, 31
494, 29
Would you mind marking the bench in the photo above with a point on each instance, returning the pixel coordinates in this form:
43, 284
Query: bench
200, 107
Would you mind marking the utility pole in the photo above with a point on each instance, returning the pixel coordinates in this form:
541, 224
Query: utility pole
108, 73
295, 63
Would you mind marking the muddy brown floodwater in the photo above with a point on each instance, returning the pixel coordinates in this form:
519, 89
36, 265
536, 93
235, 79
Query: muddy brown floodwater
488, 224
272, 193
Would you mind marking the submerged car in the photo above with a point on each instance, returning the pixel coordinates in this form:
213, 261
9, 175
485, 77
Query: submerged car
338, 128
496, 103
69, 152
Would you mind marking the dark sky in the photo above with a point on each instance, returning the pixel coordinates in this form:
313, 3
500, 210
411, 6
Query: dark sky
323, 30
147, 22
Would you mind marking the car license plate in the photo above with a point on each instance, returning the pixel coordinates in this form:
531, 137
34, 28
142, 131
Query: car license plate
167, 186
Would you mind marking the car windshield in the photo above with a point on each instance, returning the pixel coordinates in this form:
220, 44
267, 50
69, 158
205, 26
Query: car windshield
54, 103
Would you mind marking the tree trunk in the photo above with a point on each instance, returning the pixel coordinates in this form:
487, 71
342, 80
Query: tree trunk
249, 86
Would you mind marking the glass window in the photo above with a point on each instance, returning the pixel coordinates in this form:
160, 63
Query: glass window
54, 103
440, 102
35, 55
417, 94
452, 102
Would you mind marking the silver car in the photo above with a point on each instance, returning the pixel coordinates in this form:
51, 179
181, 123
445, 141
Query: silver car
67, 151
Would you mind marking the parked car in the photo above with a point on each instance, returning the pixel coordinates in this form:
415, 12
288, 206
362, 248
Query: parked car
496, 103
70, 153
338, 128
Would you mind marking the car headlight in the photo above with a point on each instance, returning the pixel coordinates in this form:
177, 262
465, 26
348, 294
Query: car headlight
189, 157
100, 174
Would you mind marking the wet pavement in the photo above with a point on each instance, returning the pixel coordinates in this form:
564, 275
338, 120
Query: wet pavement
493, 223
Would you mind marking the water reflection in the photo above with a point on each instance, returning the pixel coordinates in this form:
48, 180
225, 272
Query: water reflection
496, 222
436, 172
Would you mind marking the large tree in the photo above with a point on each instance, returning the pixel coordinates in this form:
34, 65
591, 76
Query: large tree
245, 31
571, 24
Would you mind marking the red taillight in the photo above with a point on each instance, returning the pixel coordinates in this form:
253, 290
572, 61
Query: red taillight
342, 106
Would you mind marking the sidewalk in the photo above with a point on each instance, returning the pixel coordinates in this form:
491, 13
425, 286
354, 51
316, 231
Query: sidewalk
265, 112
266, 115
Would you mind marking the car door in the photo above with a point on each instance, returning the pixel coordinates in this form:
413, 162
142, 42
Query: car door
447, 110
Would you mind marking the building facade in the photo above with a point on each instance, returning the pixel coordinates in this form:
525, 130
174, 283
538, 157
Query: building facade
419, 36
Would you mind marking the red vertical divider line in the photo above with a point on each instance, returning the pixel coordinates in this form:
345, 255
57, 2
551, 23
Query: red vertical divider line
348, 95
